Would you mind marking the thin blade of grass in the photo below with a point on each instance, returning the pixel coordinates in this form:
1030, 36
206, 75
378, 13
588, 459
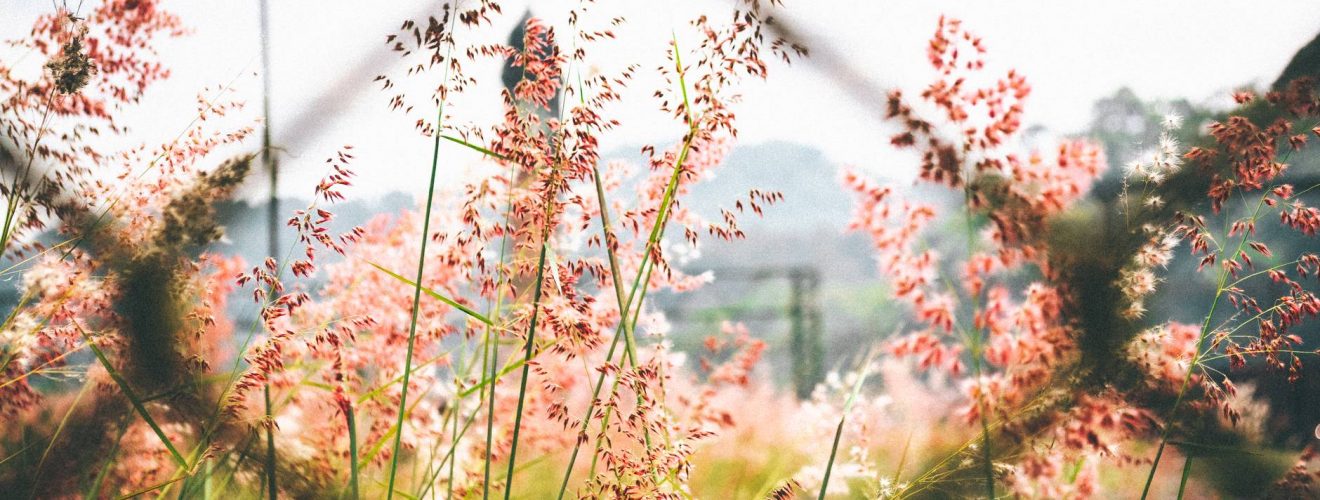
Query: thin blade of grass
272, 487
94, 490
40, 368
471, 146
14, 268
389, 434
59, 429
453, 448
457, 436
412, 324
526, 370
380, 389
492, 338
902, 458
1220, 288
17, 453
653, 239
838, 432
133, 398
466, 310
352, 451
1187, 472
1211, 447
421, 266
150, 489
494, 348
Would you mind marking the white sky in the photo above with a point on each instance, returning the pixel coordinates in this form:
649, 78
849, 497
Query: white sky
1072, 53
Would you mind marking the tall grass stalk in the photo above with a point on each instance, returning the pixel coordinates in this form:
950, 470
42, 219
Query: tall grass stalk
448, 458
132, 398
492, 345
527, 358
94, 489
614, 386
59, 429
453, 414
449, 493
214, 422
11, 212
624, 330
529, 348
352, 450
490, 378
977, 342
271, 486
1186, 473
843, 417
490, 356
619, 331
71, 244
421, 267
1220, 288
434, 294
416, 305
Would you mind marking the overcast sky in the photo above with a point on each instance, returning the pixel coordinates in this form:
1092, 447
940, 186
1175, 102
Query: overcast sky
326, 53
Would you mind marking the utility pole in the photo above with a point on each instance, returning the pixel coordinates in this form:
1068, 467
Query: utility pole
267, 153
272, 217
805, 340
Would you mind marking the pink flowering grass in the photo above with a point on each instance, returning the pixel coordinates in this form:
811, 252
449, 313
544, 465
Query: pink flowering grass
497, 340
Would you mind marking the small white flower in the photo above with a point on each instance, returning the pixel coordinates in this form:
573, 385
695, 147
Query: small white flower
1171, 164
1172, 121
1168, 145
1132, 168
1169, 241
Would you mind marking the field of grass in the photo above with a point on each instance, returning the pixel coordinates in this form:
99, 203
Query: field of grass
509, 334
